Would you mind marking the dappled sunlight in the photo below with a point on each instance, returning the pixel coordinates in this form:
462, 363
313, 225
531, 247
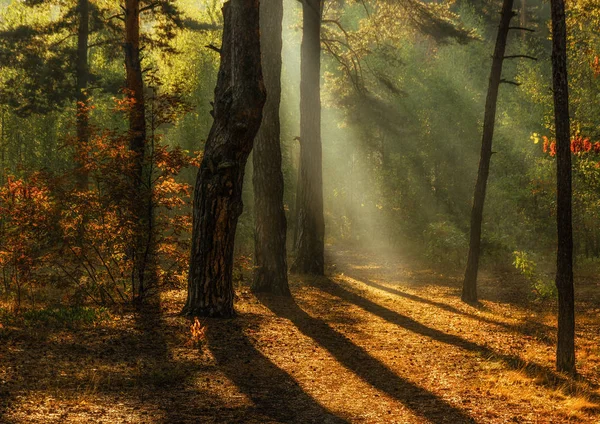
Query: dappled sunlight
521, 353
379, 346
233, 211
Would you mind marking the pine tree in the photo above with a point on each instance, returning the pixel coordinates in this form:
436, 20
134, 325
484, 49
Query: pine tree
239, 100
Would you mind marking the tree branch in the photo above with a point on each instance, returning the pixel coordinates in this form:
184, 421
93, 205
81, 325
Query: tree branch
212, 47
522, 29
523, 56
149, 7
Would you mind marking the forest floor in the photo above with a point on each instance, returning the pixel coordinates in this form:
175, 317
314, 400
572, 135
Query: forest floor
378, 341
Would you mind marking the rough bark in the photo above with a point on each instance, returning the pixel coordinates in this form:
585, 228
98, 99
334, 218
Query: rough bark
270, 226
82, 75
469, 292
311, 225
135, 82
239, 100
141, 203
565, 353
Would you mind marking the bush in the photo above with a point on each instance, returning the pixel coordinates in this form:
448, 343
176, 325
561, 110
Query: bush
541, 285
63, 245
445, 244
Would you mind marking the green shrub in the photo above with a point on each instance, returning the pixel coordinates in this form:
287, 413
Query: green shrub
541, 285
445, 244
65, 317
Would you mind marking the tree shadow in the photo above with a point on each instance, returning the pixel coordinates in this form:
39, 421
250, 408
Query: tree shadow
419, 400
275, 394
129, 365
528, 328
542, 375
416, 273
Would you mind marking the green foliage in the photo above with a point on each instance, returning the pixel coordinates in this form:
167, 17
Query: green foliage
65, 317
56, 317
445, 244
541, 285
402, 117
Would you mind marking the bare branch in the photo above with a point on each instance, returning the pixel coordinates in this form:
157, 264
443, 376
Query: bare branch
212, 47
522, 29
522, 56
149, 7
503, 81
118, 16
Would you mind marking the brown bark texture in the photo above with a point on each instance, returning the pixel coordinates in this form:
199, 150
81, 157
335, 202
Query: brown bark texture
310, 246
469, 292
239, 100
270, 226
141, 205
81, 97
565, 353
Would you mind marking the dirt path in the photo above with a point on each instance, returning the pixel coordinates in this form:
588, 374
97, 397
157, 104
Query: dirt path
377, 342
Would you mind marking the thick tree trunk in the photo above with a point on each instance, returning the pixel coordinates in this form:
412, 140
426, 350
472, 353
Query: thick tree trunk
142, 202
469, 293
565, 353
82, 75
311, 225
239, 100
270, 226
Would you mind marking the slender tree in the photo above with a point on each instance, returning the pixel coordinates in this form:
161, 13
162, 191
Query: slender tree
239, 100
565, 353
469, 293
141, 205
310, 247
270, 226
82, 75
135, 82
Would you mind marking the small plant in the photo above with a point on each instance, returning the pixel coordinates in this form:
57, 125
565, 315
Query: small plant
66, 317
541, 286
197, 334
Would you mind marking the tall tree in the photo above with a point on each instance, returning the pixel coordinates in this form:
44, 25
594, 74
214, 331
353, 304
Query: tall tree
82, 75
565, 352
469, 293
40, 85
270, 226
239, 100
142, 203
310, 248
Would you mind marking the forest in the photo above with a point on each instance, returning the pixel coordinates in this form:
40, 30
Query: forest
299, 211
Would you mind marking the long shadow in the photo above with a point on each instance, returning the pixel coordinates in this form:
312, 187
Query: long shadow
136, 368
530, 328
7, 393
133, 364
419, 400
275, 394
350, 263
550, 378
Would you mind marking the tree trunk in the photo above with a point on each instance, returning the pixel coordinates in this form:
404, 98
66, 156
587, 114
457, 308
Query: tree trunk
135, 83
565, 353
82, 71
311, 225
270, 226
469, 293
523, 18
239, 100
141, 205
